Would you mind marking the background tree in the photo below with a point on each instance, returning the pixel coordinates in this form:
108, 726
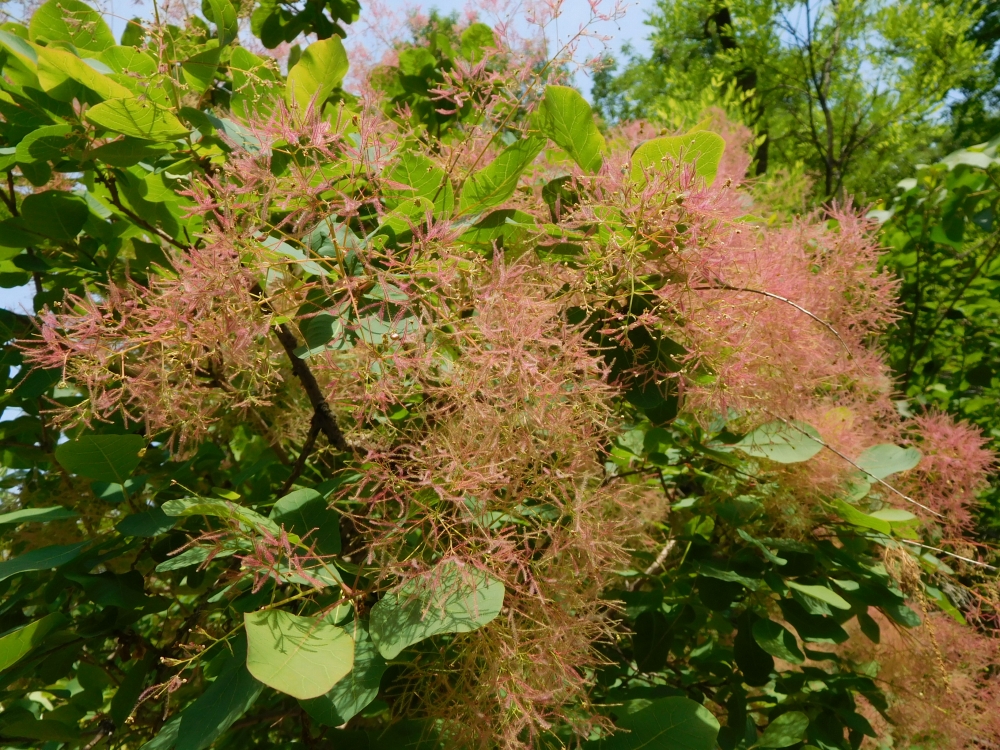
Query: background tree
849, 90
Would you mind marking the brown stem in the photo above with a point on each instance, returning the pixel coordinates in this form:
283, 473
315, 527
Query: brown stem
323, 416
109, 183
771, 295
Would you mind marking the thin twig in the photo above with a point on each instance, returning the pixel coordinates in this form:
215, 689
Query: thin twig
771, 295
864, 471
661, 558
109, 183
322, 413
950, 554
300, 462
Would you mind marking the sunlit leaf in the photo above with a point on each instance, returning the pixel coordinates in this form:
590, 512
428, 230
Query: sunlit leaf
785, 443
881, 461
139, 119
786, 730
569, 121
702, 149
318, 72
448, 599
496, 182
301, 656
355, 691
71, 21
18, 644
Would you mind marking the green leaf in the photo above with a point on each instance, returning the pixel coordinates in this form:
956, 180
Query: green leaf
199, 70
474, 41
25, 515
148, 524
15, 646
56, 65
55, 214
448, 599
44, 144
569, 121
202, 506
139, 119
703, 149
112, 492
71, 21
43, 558
318, 72
128, 151
901, 614
226, 23
820, 593
359, 688
854, 516
754, 662
306, 512
301, 656
786, 730
106, 458
496, 182
225, 701
424, 180
812, 628
113, 590
42, 729
781, 442
193, 556
167, 737
20, 48
665, 724
881, 461
777, 641
127, 60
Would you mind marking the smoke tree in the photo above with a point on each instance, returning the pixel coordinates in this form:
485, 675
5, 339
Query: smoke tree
436, 416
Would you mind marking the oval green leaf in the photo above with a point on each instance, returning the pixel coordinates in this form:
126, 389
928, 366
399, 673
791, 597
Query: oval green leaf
820, 593
781, 442
57, 215
496, 182
301, 656
71, 21
777, 641
139, 119
106, 458
786, 730
207, 506
665, 724
881, 461
55, 65
15, 646
569, 121
306, 513
43, 558
25, 515
448, 599
703, 149
318, 72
